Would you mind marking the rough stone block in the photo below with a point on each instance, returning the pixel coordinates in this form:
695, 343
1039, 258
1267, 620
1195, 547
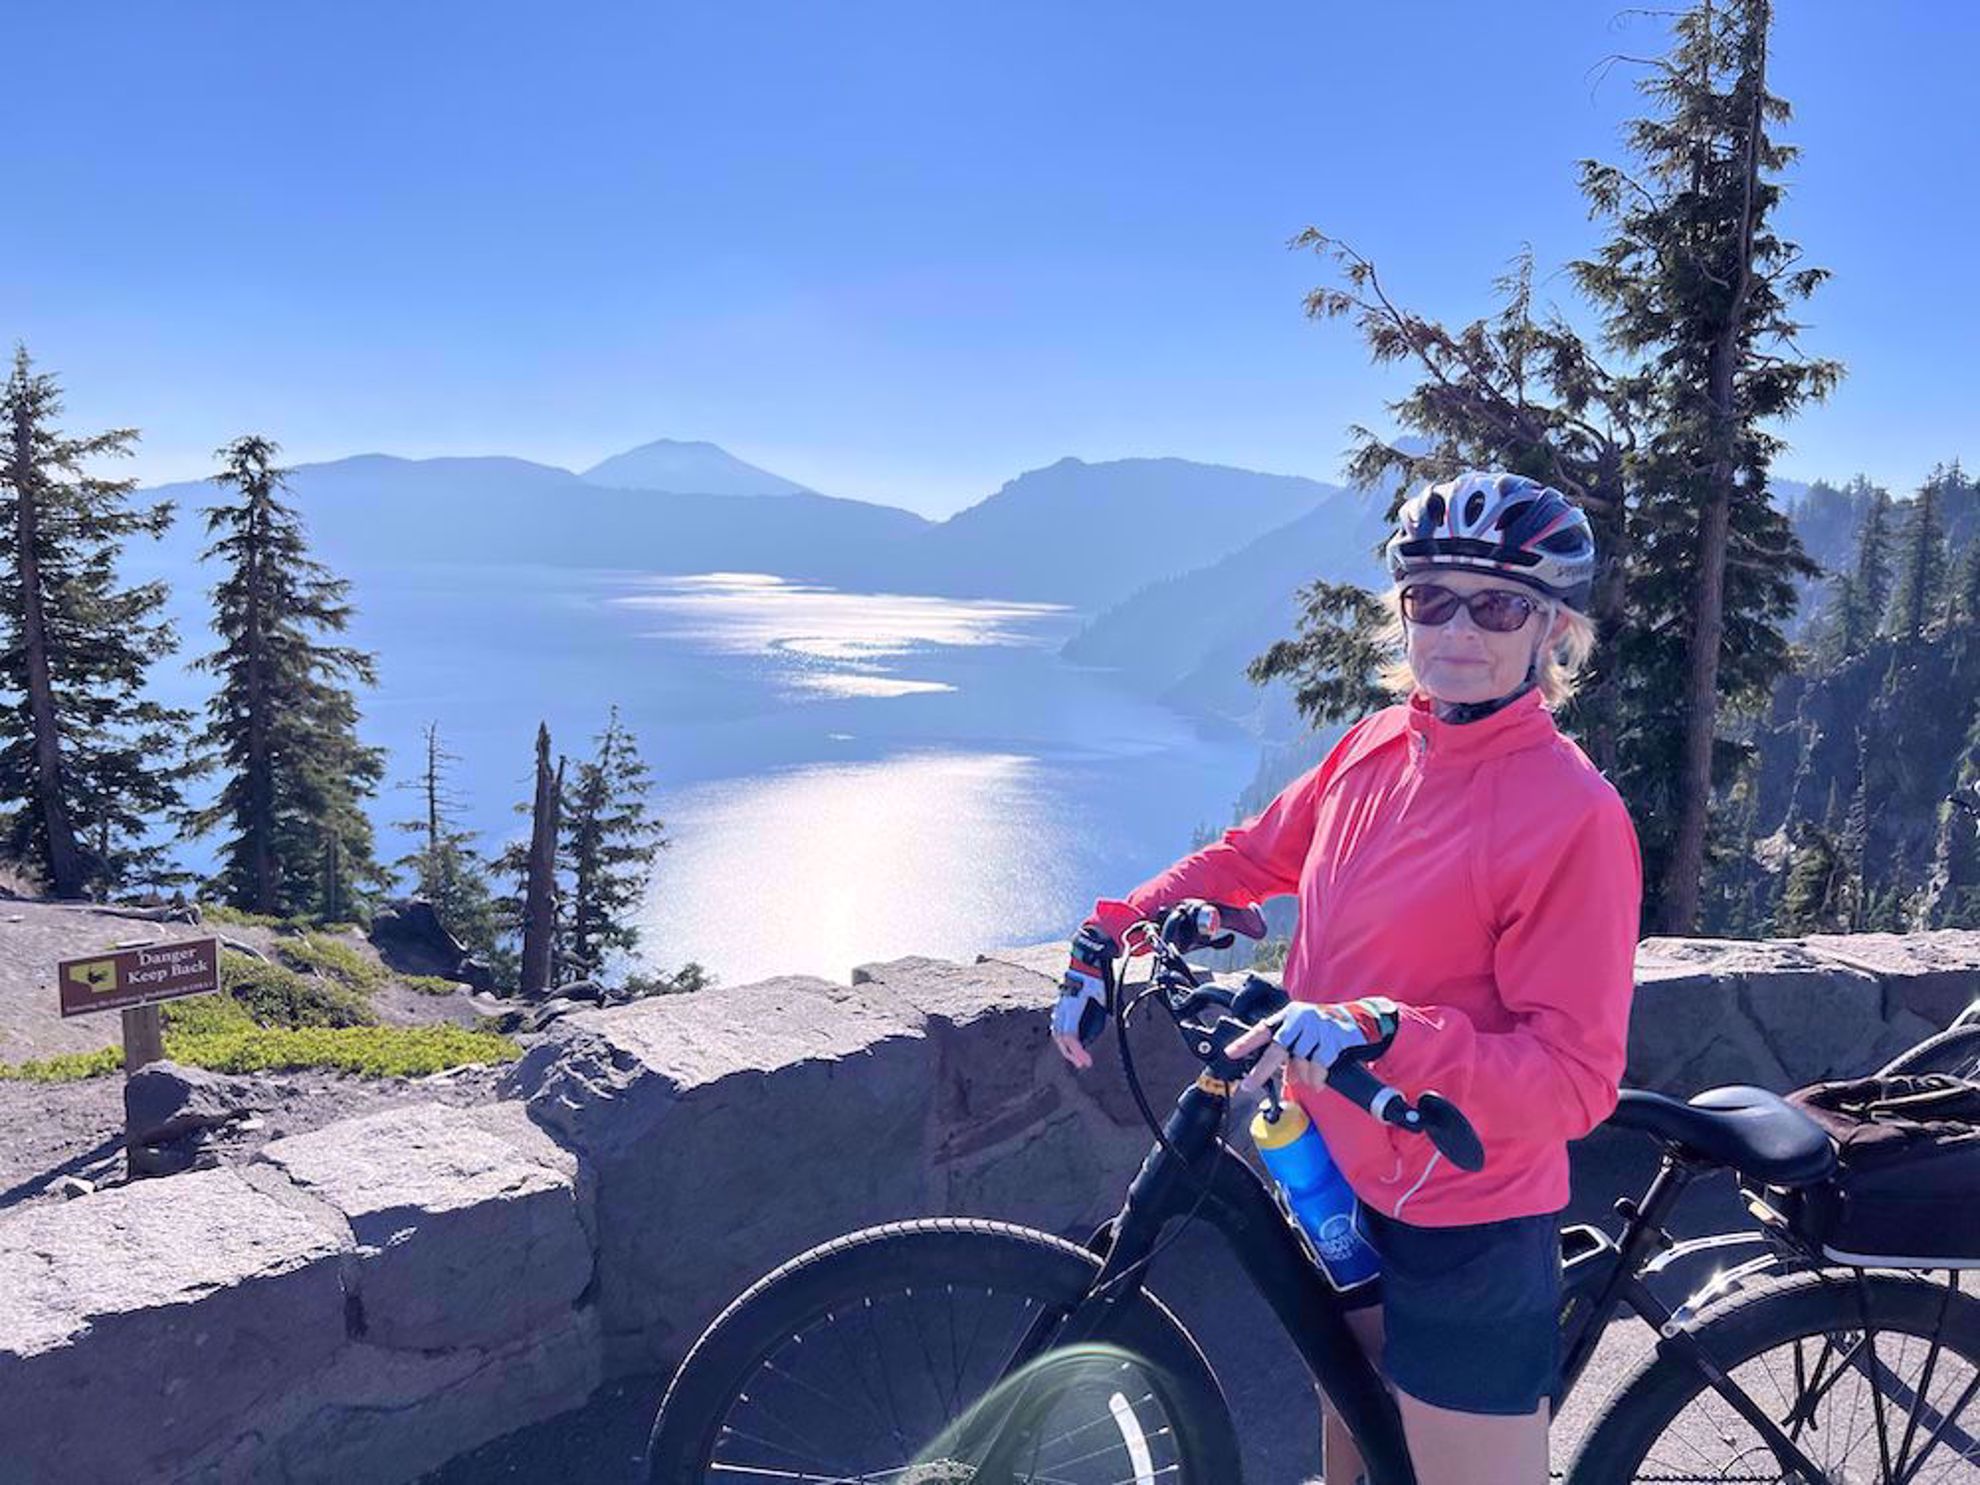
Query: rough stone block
467, 1221
729, 1130
140, 1323
389, 1417
1934, 975
1687, 1028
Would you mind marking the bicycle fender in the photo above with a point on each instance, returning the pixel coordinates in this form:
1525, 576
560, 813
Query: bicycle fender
1720, 1285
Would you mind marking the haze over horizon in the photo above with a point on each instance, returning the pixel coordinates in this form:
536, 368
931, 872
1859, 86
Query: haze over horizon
899, 254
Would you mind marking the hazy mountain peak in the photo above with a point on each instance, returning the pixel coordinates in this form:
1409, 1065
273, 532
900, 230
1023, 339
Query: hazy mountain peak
681, 467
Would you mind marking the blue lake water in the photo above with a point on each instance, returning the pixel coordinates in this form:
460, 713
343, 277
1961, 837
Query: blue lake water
844, 777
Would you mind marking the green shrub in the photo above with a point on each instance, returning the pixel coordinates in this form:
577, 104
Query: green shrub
372, 1051
431, 984
65, 1067
219, 912
274, 995
331, 957
213, 1031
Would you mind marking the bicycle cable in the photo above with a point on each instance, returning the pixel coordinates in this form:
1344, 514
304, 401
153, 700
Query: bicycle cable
1204, 1188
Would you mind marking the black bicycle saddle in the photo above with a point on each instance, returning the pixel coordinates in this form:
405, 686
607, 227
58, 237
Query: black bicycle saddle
1757, 1133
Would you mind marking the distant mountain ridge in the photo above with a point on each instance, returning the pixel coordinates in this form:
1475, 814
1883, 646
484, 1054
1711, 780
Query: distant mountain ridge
1085, 535
687, 468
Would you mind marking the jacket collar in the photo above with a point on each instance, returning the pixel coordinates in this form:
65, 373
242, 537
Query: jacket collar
1523, 724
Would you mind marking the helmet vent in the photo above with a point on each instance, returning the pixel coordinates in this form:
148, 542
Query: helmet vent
1474, 507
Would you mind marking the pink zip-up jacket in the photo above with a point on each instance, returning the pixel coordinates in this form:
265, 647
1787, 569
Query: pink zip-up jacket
1486, 877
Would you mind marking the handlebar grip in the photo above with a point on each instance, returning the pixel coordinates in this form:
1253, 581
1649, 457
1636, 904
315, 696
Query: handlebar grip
1434, 1116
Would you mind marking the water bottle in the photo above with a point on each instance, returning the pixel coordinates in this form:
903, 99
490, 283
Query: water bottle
1314, 1193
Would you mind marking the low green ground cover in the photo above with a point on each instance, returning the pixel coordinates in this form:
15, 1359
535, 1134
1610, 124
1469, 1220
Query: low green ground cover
270, 1018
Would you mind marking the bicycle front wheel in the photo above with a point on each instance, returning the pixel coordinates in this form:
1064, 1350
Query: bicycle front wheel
875, 1358
1887, 1401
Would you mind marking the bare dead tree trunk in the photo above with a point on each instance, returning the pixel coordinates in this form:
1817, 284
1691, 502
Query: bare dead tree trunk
539, 893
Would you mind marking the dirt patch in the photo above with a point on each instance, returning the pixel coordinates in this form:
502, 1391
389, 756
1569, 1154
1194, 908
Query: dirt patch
50, 1130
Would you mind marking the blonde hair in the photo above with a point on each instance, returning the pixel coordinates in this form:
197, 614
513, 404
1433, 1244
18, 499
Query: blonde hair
1560, 663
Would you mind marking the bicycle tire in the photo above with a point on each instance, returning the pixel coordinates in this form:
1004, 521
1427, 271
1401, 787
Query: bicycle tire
1955, 1050
1649, 1408
846, 1273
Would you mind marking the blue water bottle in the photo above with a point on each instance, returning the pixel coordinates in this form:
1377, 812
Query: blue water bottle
1314, 1193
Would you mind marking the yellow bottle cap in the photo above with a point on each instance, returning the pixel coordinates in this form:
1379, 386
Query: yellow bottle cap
1272, 1134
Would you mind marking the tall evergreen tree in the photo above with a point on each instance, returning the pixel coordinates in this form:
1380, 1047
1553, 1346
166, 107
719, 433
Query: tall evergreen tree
609, 842
92, 763
1694, 281
1966, 585
1921, 562
445, 869
281, 723
1873, 563
1812, 899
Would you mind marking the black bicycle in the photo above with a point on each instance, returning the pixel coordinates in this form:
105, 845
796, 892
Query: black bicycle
923, 1352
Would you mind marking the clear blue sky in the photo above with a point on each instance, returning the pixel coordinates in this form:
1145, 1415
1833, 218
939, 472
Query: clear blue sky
898, 251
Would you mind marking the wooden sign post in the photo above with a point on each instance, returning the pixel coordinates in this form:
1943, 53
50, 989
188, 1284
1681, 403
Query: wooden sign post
135, 980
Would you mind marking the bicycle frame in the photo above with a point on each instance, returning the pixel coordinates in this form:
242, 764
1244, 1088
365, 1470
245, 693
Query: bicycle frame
1240, 1206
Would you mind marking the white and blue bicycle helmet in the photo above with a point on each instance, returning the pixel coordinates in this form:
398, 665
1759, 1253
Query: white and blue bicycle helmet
1506, 524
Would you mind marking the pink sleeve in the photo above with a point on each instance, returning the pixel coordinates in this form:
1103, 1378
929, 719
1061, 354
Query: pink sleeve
1565, 963
1259, 859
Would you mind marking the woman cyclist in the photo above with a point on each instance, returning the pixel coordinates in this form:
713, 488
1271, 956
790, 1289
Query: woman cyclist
1469, 887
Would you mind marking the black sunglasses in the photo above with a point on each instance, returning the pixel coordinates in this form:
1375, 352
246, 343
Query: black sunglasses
1494, 609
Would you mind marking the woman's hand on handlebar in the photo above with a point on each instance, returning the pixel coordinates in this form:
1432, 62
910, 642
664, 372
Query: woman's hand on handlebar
1306, 1039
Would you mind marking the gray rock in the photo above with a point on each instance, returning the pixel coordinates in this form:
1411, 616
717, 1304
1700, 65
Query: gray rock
141, 1323
411, 939
70, 1187
1933, 975
164, 1102
727, 1131
467, 1221
386, 1417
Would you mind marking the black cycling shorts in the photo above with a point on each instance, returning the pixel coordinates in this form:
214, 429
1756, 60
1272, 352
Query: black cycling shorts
1471, 1314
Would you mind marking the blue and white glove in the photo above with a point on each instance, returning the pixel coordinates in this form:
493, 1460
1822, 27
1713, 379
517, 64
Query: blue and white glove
1081, 1012
1314, 1037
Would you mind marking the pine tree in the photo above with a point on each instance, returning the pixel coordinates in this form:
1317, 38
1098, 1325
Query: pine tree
610, 842
445, 870
1873, 565
1811, 899
1967, 585
281, 724
1332, 658
1921, 562
91, 761
1694, 281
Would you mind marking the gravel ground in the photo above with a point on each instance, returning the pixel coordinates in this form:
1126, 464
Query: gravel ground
50, 1130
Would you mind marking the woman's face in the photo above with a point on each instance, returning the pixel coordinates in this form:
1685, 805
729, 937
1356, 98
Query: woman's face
1457, 661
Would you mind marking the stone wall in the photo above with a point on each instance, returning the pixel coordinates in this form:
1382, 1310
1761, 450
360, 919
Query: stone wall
366, 1301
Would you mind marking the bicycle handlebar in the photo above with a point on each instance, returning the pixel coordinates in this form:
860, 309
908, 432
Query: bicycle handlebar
1435, 1117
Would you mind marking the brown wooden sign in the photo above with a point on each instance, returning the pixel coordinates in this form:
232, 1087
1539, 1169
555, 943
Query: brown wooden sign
124, 978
